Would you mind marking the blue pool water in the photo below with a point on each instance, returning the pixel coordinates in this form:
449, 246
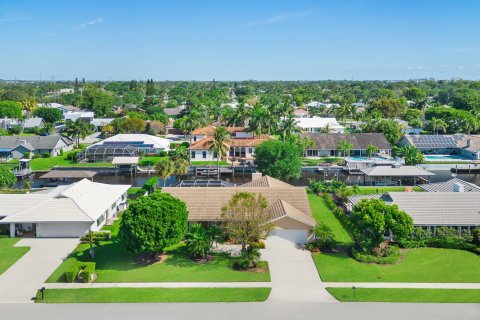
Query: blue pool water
445, 157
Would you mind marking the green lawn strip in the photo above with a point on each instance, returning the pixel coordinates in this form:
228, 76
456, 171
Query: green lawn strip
405, 295
211, 163
10, 254
117, 295
314, 162
115, 264
383, 189
323, 214
149, 161
418, 265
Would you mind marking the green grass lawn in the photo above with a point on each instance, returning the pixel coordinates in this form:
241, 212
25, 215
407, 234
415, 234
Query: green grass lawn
149, 161
406, 295
419, 265
10, 254
212, 163
315, 162
41, 164
115, 264
118, 295
322, 214
383, 189
11, 164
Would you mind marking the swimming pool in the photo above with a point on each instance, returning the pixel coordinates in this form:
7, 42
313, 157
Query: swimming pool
444, 157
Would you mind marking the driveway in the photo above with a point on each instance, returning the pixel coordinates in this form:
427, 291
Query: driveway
22, 280
93, 138
293, 273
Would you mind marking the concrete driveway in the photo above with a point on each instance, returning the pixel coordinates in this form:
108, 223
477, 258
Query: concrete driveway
293, 273
22, 280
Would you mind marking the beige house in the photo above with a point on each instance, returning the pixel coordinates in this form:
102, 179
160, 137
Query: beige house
288, 206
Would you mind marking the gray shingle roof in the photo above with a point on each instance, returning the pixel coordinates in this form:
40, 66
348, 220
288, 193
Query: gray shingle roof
360, 141
33, 122
403, 171
37, 142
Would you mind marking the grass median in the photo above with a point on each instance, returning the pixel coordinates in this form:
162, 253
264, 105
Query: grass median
125, 295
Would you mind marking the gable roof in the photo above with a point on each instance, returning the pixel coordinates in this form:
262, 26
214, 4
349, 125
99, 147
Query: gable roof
33, 122
317, 122
266, 182
36, 142
389, 171
206, 143
360, 141
210, 130
280, 209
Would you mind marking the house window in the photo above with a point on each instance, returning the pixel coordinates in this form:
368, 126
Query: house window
193, 155
100, 220
204, 154
250, 150
312, 153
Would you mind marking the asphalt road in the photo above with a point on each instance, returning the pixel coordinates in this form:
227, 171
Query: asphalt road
233, 311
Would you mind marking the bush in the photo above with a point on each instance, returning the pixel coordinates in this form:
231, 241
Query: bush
390, 255
36, 156
324, 237
71, 274
185, 144
258, 245
27, 155
87, 271
163, 153
46, 155
72, 156
249, 258
98, 235
173, 145
150, 185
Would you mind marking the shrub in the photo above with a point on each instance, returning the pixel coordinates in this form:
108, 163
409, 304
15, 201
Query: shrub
72, 156
198, 242
71, 274
390, 255
150, 184
36, 156
163, 153
87, 271
324, 237
249, 258
258, 245
185, 144
27, 155
46, 155
98, 235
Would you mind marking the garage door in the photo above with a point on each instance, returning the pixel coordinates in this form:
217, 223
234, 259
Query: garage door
296, 236
61, 230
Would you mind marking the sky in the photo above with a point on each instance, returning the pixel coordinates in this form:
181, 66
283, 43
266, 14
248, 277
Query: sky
239, 40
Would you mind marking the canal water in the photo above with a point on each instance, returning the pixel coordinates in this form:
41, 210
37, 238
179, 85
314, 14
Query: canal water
239, 178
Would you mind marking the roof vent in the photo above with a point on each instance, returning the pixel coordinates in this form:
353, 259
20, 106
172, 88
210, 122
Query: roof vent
458, 187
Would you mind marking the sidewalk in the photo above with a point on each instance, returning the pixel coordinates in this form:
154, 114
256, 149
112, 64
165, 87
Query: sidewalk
405, 285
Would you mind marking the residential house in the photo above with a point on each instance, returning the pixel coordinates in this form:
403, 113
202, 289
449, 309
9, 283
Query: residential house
464, 145
300, 113
201, 133
327, 144
31, 123
288, 207
407, 128
16, 147
86, 116
317, 124
99, 123
62, 212
64, 109
7, 123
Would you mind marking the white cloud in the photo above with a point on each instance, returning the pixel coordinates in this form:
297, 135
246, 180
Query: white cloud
280, 18
89, 23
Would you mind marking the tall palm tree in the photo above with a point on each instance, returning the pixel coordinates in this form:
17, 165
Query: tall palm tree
437, 124
195, 119
164, 168
181, 166
288, 127
221, 137
345, 147
371, 150
77, 129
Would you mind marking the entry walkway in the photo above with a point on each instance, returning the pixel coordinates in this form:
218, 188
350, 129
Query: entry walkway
293, 273
22, 280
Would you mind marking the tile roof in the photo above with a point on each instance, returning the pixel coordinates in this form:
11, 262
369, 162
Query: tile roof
448, 186
210, 130
206, 143
266, 182
280, 209
330, 141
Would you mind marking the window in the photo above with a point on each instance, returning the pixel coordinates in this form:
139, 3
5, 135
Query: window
204, 154
250, 150
100, 220
113, 205
193, 155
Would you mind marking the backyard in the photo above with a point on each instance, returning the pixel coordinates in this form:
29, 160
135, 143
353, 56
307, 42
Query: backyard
115, 264
42, 164
117, 295
10, 254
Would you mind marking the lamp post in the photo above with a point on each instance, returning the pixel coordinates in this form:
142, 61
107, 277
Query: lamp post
354, 295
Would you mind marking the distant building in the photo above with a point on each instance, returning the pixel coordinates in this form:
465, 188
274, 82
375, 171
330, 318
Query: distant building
86, 116
31, 123
101, 122
201, 133
300, 113
64, 109
317, 124
464, 145
407, 128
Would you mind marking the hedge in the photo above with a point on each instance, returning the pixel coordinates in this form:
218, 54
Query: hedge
88, 270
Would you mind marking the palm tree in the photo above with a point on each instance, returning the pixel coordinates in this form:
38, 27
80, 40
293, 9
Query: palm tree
192, 121
345, 147
326, 129
371, 150
288, 126
92, 240
437, 124
221, 137
77, 129
181, 166
164, 168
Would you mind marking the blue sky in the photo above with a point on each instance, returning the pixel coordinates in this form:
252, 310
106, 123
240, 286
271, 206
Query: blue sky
235, 40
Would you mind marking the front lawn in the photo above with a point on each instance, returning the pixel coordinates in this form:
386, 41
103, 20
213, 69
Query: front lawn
419, 265
115, 264
10, 254
149, 161
323, 214
121, 295
209, 163
405, 295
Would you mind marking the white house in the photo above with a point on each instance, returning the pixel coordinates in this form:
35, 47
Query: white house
64, 109
316, 124
63, 212
101, 122
86, 116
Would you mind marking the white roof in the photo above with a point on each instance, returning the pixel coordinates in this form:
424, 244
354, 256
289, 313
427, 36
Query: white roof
125, 160
50, 105
317, 122
157, 142
76, 115
84, 201
403, 171
101, 122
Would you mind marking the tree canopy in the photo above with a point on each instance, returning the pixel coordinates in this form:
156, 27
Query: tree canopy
279, 159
